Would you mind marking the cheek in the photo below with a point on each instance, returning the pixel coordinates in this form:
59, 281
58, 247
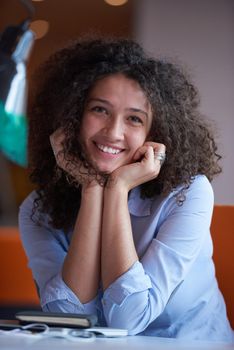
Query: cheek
137, 140
89, 128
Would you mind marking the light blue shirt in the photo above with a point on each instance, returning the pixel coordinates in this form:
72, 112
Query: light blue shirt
170, 292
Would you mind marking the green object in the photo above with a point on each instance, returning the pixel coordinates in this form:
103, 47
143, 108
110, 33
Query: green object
13, 136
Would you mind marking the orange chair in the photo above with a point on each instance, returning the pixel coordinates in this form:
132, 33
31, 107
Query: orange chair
222, 230
17, 288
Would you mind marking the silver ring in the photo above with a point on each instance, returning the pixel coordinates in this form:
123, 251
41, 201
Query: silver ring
160, 156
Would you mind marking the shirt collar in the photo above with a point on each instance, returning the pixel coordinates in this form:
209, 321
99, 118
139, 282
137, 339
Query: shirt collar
138, 206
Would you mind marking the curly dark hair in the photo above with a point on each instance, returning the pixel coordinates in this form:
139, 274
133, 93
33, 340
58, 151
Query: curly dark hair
65, 80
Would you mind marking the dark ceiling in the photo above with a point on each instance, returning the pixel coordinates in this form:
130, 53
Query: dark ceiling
68, 19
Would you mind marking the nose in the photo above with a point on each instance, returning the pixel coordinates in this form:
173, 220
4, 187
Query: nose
114, 128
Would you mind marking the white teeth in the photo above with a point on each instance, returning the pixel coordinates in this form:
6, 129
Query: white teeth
108, 149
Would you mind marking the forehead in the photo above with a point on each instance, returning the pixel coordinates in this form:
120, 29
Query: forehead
118, 86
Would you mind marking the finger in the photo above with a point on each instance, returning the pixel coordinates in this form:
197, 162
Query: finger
57, 150
155, 154
58, 133
144, 153
149, 154
160, 156
159, 151
157, 147
140, 153
56, 140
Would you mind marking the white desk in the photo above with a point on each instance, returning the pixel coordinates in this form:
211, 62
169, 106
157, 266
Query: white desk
126, 343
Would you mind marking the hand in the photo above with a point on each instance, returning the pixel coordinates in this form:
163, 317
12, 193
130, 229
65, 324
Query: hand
145, 167
56, 141
72, 166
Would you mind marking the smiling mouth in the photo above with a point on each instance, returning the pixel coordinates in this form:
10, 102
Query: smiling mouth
107, 149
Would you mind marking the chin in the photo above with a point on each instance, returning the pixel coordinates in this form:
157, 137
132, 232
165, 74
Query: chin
102, 169
105, 171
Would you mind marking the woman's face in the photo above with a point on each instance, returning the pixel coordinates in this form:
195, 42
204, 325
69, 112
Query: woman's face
116, 121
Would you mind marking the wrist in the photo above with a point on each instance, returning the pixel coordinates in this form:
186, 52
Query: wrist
117, 183
92, 188
116, 187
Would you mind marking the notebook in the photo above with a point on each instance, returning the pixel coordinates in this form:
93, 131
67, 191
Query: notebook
57, 319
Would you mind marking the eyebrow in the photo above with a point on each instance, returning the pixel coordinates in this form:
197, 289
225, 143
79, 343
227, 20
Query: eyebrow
132, 109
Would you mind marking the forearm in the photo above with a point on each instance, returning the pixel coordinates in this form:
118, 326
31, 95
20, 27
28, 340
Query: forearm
118, 250
81, 269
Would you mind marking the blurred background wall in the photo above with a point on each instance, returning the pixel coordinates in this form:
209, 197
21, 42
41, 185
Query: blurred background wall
197, 33
200, 34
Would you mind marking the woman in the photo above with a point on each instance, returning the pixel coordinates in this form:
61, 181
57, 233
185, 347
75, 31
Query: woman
112, 229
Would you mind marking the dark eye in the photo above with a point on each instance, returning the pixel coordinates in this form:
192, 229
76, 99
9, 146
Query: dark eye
135, 119
99, 109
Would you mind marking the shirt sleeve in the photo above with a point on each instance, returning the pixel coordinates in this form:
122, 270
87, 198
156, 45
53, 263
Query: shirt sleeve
46, 249
141, 294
